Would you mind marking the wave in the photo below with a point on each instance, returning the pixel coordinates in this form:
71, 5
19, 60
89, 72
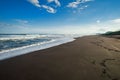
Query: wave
21, 37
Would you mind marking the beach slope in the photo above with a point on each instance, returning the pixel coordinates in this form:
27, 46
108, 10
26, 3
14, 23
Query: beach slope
86, 58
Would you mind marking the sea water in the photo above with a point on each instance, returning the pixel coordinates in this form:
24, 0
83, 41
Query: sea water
12, 45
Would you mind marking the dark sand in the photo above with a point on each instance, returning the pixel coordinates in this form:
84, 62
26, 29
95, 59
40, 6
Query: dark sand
86, 58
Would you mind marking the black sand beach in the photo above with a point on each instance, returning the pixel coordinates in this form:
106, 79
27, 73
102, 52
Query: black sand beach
86, 58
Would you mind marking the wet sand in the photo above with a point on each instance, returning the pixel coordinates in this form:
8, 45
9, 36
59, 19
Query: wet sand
86, 58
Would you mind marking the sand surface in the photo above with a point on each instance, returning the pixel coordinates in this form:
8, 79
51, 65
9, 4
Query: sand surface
86, 58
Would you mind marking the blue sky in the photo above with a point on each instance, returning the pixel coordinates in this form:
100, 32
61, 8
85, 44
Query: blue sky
59, 16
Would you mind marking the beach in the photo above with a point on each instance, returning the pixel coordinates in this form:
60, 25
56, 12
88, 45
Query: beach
86, 58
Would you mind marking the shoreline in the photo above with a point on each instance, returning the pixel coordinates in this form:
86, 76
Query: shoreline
11, 53
86, 58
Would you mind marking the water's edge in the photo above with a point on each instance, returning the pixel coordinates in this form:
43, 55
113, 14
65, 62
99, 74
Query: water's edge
25, 50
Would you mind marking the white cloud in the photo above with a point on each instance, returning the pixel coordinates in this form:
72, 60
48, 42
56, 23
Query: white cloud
49, 9
76, 3
116, 21
105, 26
35, 3
84, 1
57, 2
73, 4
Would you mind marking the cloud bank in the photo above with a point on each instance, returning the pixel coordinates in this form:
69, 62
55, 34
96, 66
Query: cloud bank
89, 29
86, 29
116, 21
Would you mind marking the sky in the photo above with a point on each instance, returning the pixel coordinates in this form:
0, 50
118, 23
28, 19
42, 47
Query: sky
59, 16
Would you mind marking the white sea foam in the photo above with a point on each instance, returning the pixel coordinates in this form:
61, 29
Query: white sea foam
30, 48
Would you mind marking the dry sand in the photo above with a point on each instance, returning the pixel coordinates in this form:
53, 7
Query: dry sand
86, 58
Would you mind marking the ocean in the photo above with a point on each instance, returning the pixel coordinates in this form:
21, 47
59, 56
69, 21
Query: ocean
12, 45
